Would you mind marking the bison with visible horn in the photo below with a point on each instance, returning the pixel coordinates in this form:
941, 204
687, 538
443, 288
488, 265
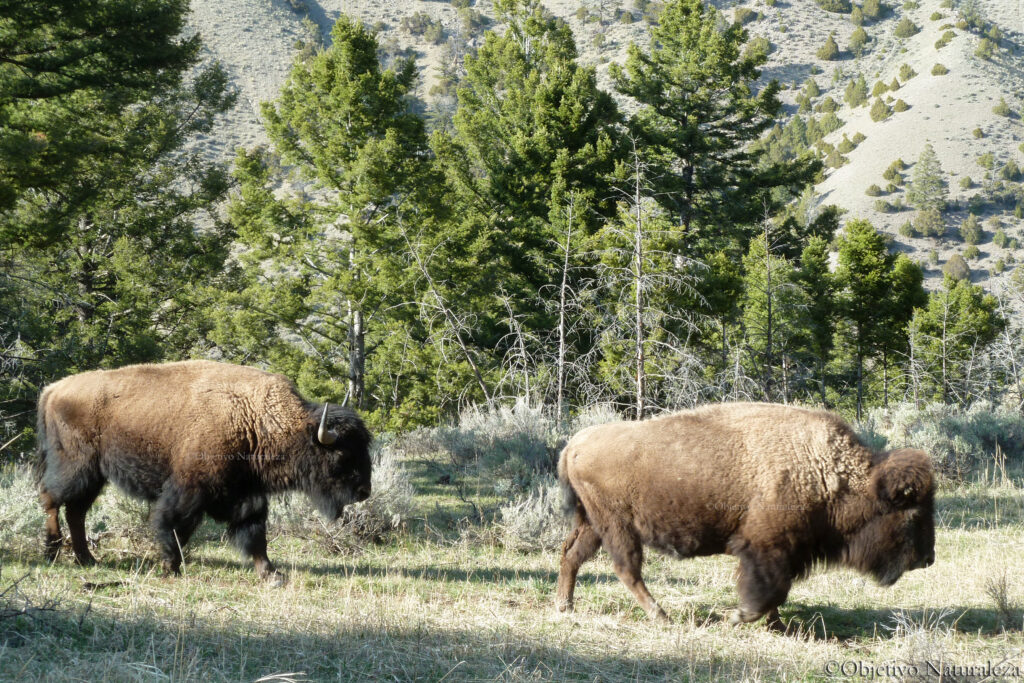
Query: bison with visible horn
781, 488
193, 438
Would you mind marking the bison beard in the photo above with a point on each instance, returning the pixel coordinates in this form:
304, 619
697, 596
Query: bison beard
193, 438
780, 488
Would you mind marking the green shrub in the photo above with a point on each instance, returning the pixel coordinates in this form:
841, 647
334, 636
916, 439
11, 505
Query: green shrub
598, 39
978, 133
906, 28
936, 16
835, 159
857, 17
879, 89
986, 160
999, 238
906, 72
827, 106
944, 40
970, 229
900, 105
872, 9
895, 85
972, 252
929, 223
911, 5
842, 6
828, 51
858, 138
858, 39
999, 266
880, 110
626, 17
907, 229
986, 49
846, 145
811, 88
873, 190
757, 47
740, 15
891, 187
939, 70
1002, 108
956, 267
882, 206
933, 257
459, 4
966, 183
1011, 171
856, 92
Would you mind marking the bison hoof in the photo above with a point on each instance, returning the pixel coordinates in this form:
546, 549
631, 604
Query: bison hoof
658, 615
275, 579
85, 560
564, 606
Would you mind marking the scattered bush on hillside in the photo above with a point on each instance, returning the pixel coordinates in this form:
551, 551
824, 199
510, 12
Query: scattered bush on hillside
1001, 108
939, 70
873, 190
858, 138
829, 50
872, 9
906, 72
841, 6
846, 145
929, 223
906, 28
1000, 239
879, 89
757, 47
970, 229
534, 520
857, 17
978, 133
944, 40
972, 253
956, 267
966, 183
856, 92
858, 39
880, 110
740, 15
899, 105
1011, 171
906, 229
986, 160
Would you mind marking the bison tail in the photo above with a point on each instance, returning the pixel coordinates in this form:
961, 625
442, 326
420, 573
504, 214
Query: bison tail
570, 501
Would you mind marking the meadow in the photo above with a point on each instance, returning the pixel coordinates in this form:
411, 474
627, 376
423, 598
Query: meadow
454, 586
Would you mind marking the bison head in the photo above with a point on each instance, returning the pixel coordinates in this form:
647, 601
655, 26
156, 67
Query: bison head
899, 534
341, 470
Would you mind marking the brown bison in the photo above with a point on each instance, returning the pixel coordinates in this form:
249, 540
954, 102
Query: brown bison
193, 438
779, 487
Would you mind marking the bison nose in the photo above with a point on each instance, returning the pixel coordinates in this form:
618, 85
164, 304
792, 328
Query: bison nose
363, 492
929, 559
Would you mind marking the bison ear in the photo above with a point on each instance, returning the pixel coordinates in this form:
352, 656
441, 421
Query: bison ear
903, 478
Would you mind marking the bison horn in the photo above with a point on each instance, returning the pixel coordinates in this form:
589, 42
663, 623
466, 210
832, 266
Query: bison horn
324, 435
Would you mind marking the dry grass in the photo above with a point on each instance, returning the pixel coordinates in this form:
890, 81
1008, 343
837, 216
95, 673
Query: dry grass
430, 605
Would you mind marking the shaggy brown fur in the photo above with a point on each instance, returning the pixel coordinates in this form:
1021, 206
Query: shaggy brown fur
194, 438
778, 487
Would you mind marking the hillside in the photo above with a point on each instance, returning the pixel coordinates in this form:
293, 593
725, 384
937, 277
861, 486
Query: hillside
954, 112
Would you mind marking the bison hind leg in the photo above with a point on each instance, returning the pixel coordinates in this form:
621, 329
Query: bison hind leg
54, 537
74, 511
627, 558
580, 545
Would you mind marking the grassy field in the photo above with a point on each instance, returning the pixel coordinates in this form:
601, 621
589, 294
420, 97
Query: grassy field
443, 600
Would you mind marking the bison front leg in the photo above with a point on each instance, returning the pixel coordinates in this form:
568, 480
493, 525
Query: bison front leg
580, 545
764, 582
248, 531
176, 515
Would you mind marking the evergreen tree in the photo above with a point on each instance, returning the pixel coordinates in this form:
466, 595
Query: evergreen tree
951, 333
876, 291
928, 187
68, 71
109, 222
818, 285
332, 273
699, 109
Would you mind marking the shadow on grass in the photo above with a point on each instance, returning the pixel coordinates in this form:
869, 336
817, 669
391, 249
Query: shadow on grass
79, 642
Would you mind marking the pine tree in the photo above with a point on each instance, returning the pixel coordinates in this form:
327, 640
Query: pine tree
324, 264
928, 187
699, 109
959, 321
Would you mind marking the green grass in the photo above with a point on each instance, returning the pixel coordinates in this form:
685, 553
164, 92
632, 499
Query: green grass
442, 600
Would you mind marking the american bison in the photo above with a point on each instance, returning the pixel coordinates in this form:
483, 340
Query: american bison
193, 438
781, 488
